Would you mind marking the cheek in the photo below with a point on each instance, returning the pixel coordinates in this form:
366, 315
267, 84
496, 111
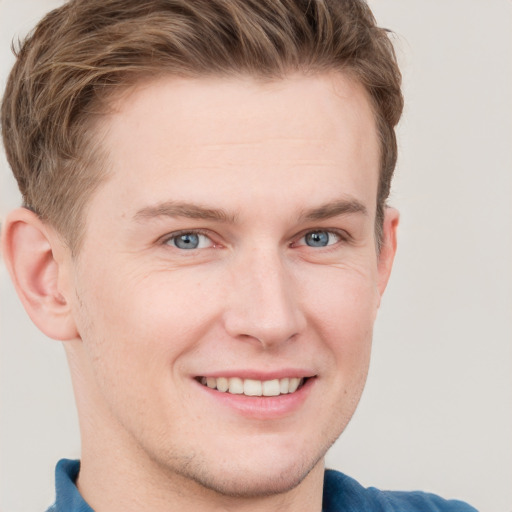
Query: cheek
344, 318
344, 302
144, 320
343, 314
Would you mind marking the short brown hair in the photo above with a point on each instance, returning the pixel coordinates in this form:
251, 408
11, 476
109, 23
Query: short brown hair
86, 50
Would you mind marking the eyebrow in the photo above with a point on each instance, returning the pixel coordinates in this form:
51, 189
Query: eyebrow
195, 211
183, 209
334, 209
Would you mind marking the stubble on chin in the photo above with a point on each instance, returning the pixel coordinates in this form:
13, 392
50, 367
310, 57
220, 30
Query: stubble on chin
193, 475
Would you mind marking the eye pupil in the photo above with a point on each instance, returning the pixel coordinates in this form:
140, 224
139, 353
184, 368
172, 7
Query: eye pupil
317, 239
187, 241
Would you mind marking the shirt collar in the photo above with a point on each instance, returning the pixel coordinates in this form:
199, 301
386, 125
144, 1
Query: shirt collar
67, 498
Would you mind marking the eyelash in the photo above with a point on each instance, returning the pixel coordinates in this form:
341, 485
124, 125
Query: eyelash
342, 236
175, 235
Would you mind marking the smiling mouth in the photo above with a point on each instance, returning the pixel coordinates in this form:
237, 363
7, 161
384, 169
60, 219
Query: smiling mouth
251, 387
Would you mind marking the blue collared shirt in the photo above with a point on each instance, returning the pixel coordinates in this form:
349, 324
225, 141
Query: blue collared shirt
341, 494
67, 497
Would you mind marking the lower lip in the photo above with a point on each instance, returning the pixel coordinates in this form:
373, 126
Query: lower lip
262, 407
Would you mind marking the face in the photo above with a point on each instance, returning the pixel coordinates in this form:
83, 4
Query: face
228, 281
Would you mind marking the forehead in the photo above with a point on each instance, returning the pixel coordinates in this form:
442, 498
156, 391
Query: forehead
211, 108
172, 136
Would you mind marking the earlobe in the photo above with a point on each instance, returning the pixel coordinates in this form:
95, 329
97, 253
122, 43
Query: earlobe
29, 249
388, 248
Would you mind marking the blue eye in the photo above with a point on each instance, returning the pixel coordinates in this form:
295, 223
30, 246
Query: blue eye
188, 241
320, 238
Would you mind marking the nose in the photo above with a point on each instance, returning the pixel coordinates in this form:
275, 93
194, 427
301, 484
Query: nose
263, 305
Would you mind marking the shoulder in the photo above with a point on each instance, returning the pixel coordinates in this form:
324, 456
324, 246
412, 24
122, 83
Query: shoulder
344, 494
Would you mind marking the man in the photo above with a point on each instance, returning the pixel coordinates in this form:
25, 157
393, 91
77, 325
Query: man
205, 228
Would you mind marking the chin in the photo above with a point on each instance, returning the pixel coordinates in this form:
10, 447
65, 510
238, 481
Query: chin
237, 478
252, 484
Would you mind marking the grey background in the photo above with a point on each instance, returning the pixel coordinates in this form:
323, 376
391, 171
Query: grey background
437, 411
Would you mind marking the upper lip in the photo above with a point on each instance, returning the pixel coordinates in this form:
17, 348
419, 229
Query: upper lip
261, 375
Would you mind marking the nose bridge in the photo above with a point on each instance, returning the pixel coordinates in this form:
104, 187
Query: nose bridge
263, 303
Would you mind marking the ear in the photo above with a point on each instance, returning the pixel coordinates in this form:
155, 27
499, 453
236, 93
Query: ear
388, 247
36, 259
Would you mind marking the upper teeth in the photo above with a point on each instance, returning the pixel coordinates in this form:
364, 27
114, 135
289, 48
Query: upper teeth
250, 387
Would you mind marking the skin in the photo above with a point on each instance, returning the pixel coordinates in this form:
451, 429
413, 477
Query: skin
254, 167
